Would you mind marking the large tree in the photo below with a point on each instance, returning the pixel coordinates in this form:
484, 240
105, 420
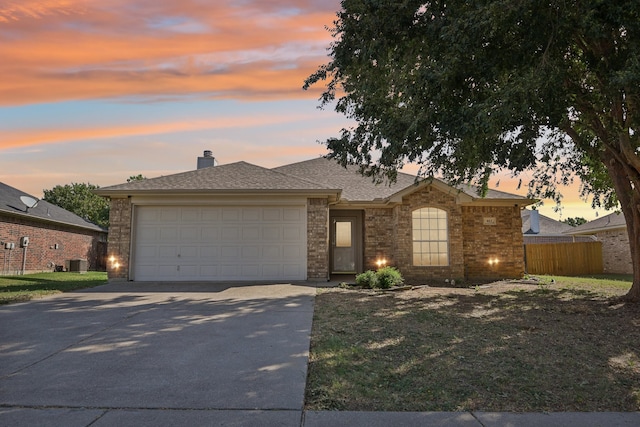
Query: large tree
466, 88
80, 199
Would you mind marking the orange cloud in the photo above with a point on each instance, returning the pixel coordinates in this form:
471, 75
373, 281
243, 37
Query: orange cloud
27, 137
65, 50
37, 9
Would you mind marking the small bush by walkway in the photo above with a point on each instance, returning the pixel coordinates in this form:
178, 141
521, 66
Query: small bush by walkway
565, 344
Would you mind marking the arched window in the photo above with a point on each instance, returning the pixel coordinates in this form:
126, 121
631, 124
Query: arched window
430, 237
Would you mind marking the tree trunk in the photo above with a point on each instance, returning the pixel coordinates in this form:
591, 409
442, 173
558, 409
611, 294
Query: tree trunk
629, 198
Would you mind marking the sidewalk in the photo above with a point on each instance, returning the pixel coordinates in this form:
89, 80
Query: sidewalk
103, 417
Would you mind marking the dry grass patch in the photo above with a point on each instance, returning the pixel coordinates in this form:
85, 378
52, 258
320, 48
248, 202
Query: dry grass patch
563, 346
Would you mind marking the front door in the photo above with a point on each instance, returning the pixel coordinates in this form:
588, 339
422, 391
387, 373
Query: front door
346, 242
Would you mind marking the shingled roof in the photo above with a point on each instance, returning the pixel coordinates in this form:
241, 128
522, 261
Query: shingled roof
234, 177
44, 211
356, 187
612, 221
315, 176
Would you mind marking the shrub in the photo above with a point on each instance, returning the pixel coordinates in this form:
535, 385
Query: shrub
368, 279
388, 277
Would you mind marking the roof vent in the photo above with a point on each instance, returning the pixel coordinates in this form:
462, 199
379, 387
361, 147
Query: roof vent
207, 160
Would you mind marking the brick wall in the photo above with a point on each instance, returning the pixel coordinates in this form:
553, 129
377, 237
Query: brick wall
388, 233
379, 237
502, 241
317, 239
42, 254
119, 239
616, 255
428, 197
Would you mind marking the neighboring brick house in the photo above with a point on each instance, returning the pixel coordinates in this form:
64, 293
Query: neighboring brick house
45, 236
308, 221
611, 230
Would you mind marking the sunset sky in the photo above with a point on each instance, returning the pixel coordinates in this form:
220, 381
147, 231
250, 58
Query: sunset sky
97, 91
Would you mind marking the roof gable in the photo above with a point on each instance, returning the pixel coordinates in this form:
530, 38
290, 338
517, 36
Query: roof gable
44, 211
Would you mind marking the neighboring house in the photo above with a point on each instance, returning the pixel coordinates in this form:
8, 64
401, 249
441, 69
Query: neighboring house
308, 221
537, 228
611, 230
39, 238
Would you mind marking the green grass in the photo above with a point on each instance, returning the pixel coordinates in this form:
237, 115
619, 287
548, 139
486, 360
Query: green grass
562, 345
29, 286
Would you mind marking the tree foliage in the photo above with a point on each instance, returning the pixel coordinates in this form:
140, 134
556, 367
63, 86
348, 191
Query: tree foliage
80, 199
138, 177
575, 221
467, 88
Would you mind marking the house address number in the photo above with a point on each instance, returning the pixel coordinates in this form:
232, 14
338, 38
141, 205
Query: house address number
489, 220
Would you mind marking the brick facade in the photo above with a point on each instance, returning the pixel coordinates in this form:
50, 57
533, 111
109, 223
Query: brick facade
317, 239
50, 245
388, 234
120, 216
379, 237
502, 241
428, 197
616, 255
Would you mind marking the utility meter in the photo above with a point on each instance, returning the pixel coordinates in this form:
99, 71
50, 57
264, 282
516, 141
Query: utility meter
24, 242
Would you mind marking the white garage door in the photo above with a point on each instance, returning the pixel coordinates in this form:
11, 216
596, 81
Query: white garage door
220, 243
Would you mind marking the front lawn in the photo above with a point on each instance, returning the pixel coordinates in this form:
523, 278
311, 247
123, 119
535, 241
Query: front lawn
565, 344
29, 286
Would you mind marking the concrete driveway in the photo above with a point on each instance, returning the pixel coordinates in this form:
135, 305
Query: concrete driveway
157, 354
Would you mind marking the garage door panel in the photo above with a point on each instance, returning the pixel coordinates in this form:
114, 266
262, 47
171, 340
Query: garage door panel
292, 214
189, 252
169, 214
230, 214
209, 271
272, 214
189, 234
210, 214
271, 253
251, 214
209, 233
251, 234
168, 234
271, 233
232, 252
250, 252
190, 214
292, 233
230, 233
170, 252
209, 253
220, 243
292, 270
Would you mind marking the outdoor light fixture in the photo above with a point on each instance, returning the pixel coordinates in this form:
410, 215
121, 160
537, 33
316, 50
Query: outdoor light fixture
493, 261
381, 262
114, 263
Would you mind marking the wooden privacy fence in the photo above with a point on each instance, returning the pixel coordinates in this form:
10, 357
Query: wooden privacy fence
564, 259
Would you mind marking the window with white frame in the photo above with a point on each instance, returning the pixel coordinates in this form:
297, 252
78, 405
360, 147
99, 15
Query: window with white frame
430, 237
